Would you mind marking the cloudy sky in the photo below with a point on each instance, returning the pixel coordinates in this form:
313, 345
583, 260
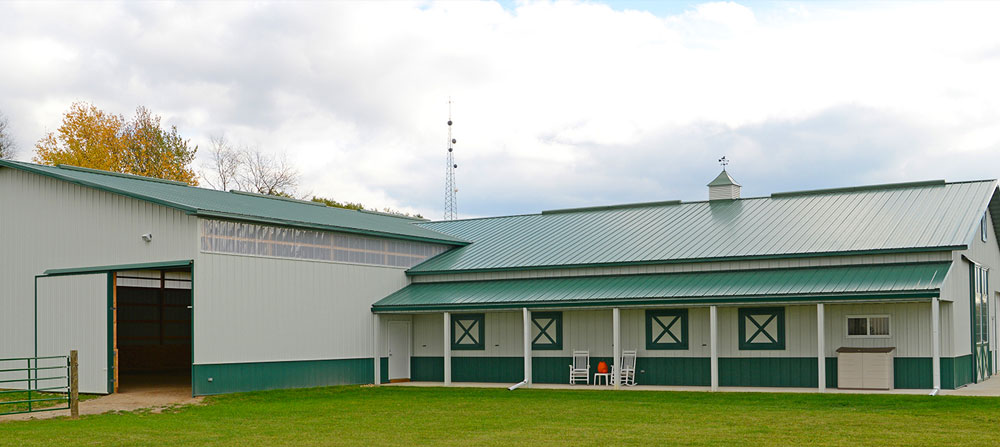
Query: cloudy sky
556, 104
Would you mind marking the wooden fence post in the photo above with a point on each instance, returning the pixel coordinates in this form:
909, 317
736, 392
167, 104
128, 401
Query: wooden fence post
74, 385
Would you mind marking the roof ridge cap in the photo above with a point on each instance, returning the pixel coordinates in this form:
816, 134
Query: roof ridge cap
119, 174
860, 188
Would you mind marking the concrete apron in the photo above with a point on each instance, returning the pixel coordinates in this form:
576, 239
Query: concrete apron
988, 387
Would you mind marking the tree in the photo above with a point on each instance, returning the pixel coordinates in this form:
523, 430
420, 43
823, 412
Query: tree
359, 207
7, 146
224, 164
249, 169
336, 204
264, 173
92, 138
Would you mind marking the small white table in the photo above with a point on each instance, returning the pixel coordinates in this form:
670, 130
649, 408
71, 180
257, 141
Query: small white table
606, 376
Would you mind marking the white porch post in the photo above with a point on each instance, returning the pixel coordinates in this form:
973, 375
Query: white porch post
936, 342
527, 346
821, 345
447, 348
713, 324
377, 328
616, 318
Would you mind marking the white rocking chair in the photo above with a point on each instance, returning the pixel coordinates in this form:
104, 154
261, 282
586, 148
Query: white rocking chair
580, 369
627, 368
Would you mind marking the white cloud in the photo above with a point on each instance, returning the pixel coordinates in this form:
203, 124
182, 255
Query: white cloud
556, 104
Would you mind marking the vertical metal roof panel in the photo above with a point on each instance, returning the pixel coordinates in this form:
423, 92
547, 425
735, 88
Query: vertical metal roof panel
903, 217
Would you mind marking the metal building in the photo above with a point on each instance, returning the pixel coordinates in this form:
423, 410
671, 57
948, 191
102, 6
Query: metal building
230, 291
236, 292
789, 290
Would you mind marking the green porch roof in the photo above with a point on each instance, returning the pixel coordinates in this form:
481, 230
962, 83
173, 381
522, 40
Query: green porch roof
905, 217
885, 281
211, 203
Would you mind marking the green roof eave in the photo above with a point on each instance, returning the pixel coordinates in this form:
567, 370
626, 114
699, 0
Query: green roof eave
52, 172
76, 181
312, 226
119, 267
895, 296
843, 282
413, 272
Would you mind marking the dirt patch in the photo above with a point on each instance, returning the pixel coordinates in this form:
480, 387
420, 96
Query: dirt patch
147, 392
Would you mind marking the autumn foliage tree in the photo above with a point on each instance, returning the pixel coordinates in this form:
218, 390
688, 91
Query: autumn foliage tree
7, 146
92, 138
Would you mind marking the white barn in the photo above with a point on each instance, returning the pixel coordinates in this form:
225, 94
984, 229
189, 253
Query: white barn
237, 292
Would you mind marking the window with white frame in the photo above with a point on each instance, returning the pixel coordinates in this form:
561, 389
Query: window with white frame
868, 326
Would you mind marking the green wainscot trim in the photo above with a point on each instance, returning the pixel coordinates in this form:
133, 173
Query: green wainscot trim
915, 373
831, 372
676, 371
769, 371
427, 369
240, 377
383, 370
556, 369
488, 369
910, 372
956, 372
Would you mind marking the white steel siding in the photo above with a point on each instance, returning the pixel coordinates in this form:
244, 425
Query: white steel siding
47, 223
502, 336
249, 309
428, 335
956, 286
591, 330
73, 314
909, 328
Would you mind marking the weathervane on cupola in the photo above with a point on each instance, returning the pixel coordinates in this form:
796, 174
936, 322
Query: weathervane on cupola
723, 187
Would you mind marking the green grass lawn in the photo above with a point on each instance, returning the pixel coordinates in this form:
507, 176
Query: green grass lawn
463, 416
19, 396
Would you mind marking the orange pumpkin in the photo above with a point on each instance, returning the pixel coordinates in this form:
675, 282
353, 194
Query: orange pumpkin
602, 368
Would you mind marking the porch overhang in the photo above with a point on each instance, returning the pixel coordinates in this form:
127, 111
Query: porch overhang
851, 283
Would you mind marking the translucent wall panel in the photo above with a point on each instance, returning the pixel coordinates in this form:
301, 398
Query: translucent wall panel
219, 236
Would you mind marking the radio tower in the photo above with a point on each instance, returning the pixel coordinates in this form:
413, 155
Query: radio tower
450, 190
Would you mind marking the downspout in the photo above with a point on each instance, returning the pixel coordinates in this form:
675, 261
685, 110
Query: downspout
517, 385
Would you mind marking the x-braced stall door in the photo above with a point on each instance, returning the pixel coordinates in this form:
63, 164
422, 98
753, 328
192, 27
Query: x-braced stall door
72, 313
980, 323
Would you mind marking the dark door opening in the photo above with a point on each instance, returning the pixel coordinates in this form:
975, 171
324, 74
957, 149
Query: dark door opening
152, 331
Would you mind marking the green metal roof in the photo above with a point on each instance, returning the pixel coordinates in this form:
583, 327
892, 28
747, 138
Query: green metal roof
241, 206
723, 179
879, 219
166, 265
885, 281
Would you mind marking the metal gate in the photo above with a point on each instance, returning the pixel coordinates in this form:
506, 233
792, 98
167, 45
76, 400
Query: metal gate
32, 384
